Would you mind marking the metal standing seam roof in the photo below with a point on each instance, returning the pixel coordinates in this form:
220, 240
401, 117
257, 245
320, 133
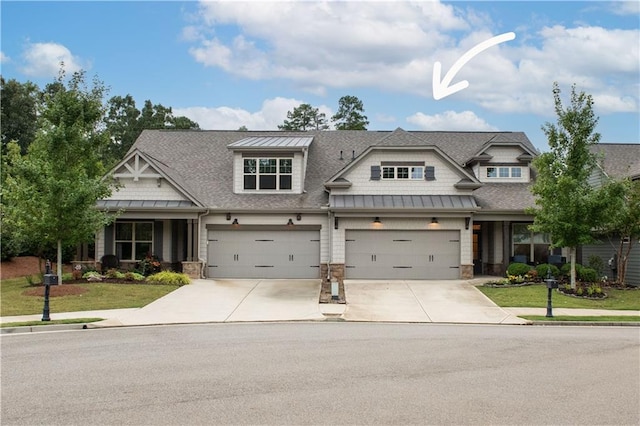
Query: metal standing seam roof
158, 204
272, 142
432, 202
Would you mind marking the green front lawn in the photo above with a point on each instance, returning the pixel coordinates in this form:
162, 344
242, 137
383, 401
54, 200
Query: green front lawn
610, 318
52, 322
97, 297
535, 296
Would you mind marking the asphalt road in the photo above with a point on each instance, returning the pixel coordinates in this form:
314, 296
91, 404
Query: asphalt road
323, 373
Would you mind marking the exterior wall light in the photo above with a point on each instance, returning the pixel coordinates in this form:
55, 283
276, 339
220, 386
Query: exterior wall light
235, 222
290, 223
434, 220
299, 216
228, 216
377, 220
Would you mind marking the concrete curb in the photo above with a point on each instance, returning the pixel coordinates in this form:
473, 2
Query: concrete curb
588, 323
42, 328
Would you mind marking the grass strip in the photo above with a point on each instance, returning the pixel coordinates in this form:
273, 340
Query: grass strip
99, 296
52, 322
535, 296
609, 318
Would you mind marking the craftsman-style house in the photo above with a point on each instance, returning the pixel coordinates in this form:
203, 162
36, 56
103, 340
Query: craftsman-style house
327, 204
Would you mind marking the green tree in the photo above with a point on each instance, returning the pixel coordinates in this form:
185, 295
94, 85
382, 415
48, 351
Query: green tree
53, 189
124, 123
620, 202
350, 115
566, 205
19, 111
305, 117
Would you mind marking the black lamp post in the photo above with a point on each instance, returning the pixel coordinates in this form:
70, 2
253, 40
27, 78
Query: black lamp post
49, 279
551, 284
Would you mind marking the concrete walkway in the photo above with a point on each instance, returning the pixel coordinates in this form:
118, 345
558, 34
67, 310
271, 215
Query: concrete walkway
204, 301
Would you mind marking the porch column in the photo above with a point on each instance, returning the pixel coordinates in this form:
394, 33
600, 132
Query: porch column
190, 240
506, 244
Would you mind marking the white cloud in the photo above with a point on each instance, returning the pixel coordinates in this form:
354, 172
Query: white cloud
392, 46
625, 7
4, 58
450, 120
43, 60
272, 113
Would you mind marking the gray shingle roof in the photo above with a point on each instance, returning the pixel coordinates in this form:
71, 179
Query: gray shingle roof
202, 164
619, 160
504, 196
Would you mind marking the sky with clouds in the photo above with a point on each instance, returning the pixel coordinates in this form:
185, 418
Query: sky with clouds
227, 64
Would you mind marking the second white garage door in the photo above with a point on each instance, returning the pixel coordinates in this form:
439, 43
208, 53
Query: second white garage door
263, 254
402, 254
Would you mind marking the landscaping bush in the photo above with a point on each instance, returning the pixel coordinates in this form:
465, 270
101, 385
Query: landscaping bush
596, 263
133, 276
169, 278
588, 275
114, 273
543, 269
566, 269
518, 269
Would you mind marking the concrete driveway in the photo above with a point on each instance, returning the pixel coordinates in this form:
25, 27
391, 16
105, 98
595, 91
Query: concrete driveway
446, 301
229, 301
297, 300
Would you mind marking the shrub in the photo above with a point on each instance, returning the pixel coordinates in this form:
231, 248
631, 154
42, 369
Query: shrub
543, 269
518, 269
596, 263
588, 275
149, 265
114, 273
133, 276
168, 278
566, 269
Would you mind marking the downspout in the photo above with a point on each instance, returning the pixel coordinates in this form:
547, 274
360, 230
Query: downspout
202, 261
330, 229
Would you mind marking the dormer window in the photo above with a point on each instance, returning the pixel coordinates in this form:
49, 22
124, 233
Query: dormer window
270, 174
504, 172
402, 172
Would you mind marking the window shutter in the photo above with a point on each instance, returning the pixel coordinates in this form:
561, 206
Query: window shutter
430, 173
157, 239
108, 239
375, 172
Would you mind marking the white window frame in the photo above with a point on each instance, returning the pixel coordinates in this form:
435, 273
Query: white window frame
407, 172
504, 172
278, 173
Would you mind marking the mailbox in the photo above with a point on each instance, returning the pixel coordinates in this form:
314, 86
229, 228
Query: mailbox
551, 283
50, 279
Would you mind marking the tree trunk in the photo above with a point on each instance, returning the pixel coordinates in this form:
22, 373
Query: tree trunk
59, 261
572, 254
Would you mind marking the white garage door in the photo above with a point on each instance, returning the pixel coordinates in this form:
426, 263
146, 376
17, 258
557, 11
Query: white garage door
402, 254
263, 254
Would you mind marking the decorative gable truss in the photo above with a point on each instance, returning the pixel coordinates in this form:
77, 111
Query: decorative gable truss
142, 179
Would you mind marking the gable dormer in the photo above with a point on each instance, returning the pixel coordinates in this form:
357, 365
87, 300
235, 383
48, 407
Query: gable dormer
402, 170
141, 178
502, 162
270, 164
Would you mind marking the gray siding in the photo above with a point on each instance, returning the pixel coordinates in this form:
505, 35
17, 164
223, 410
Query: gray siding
605, 250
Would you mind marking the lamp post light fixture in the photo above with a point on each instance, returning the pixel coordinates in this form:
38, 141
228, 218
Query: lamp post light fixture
551, 284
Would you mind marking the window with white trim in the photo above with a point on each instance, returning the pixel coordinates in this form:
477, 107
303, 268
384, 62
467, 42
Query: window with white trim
504, 172
133, 240
267, 174
402, 172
